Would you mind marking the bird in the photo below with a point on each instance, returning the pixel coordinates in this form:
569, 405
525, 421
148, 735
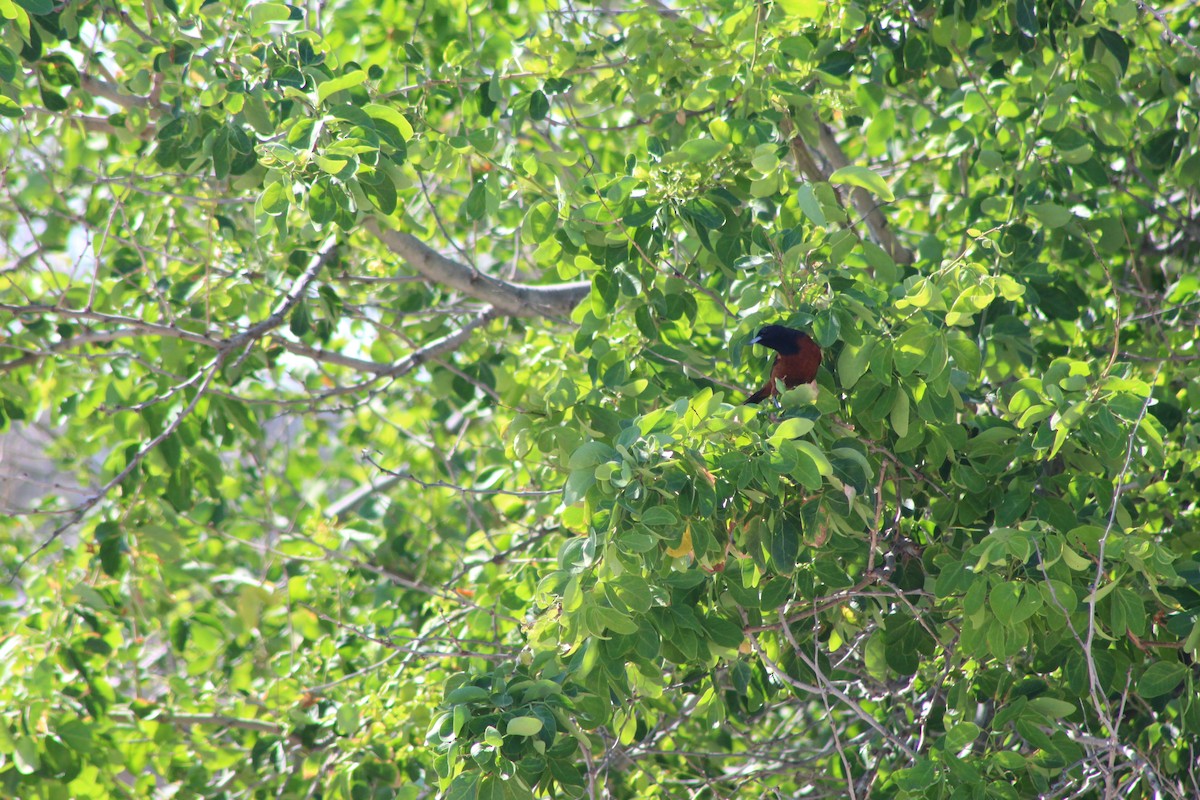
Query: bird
797, 362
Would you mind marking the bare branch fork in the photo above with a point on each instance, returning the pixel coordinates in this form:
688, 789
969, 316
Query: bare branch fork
828, 687
224, 350
76, 515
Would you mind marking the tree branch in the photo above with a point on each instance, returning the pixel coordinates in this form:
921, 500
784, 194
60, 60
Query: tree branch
133, 463
114, 95
224, 349
285, 306
863, 202
207, 720
449, 342
92, 337
133, 326
844, 698
431, 351
511, 299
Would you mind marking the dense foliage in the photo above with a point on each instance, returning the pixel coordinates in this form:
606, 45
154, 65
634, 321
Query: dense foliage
388, 362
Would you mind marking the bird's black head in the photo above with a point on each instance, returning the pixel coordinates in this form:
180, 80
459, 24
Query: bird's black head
785, 341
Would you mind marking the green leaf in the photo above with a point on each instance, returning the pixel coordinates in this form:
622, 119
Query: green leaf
539, 105
475, 206
1027, 21
59, 70
838, 64
337, 165
322, 207
961, 735
853, 362
492, 736
524, 726
589, 455
382, 194
660, 515
10, 109
112, 553
965, 352
923, 294
300, 323
347, 719
724, 632
808, 450
263, 13
1050, 214
52, 100
7, 742
222, 154
899, 413
864, 179
791, 429
467, 694
901, 653
392, 117
1161, 678
1028, 729
807, 200
805, 9
274, 199
540, 222
8, 63
806, 470
783, 545
1003, 600
705, 213
577, 485
1050, 707
25, 756
614, 620
952, 579
466, 786
334, 85
75, 734
701, 151
911, 349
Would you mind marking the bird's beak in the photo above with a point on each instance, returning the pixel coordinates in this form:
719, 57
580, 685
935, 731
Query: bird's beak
756, 340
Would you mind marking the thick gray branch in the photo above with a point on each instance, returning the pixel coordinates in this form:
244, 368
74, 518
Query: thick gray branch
438, 347
511, 299
431, 351
115, 95
863, 202
133, 325
92, 337
287, 303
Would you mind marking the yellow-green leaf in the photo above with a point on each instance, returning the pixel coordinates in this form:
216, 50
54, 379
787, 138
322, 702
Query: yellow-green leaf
790, 429
808, 9
262, 13
1051, 215
392, 116
863, 178
333, 85
817, 456
524, 726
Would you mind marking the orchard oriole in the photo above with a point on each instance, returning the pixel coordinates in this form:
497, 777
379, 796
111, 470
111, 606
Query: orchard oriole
797, 362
